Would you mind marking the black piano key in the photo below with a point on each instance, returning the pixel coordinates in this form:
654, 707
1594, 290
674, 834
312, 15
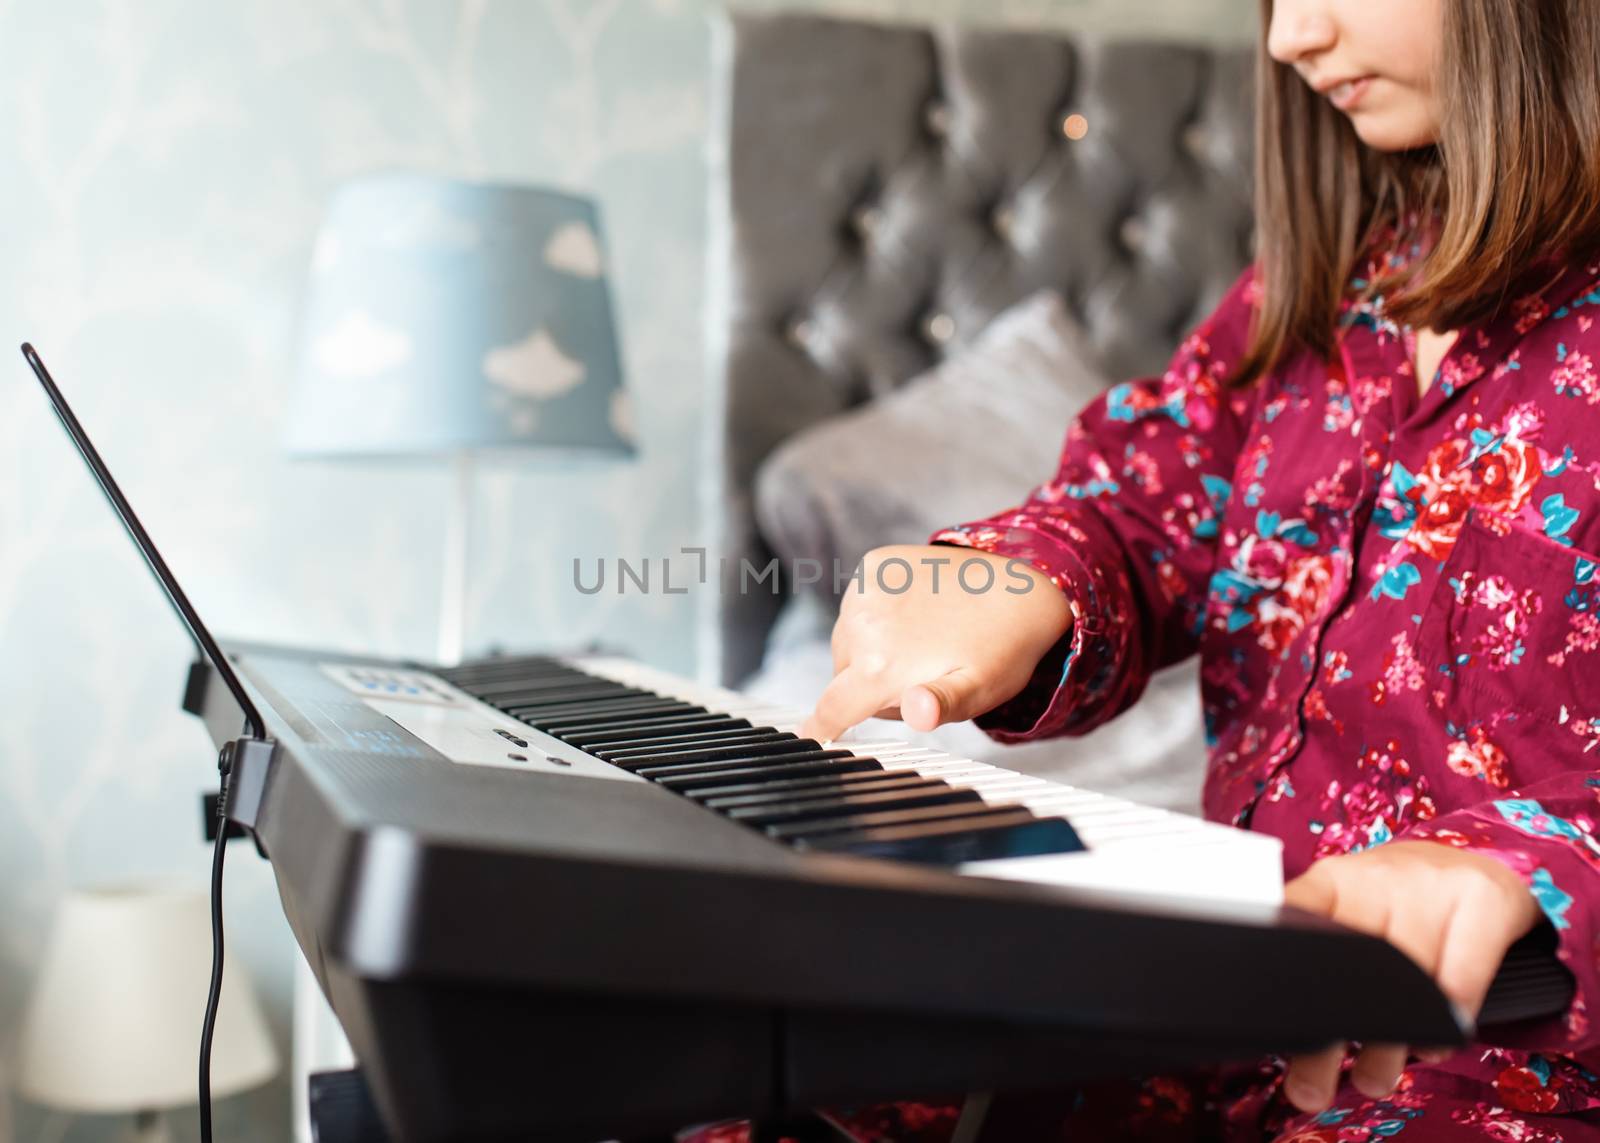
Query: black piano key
512, 686
845, 763
742, 751
779, 793
599, 712
585, 736
595, 719
642, 729
563, 714
530, 665
645, 723
525, 681
525, 700
986, 838
848, 823
696, 738
824, 782
804, 751
564, 696
501, 659
856, 805
752, 737
600, 706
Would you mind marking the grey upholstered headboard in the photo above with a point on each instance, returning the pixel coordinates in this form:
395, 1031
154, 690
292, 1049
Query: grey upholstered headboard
892, 188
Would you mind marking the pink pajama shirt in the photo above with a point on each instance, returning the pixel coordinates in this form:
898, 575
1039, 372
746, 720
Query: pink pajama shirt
1395, 602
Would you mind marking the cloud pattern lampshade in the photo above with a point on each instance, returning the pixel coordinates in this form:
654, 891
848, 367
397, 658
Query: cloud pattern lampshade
444, 316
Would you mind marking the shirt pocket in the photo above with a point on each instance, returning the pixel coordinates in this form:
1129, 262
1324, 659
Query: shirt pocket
1511, 626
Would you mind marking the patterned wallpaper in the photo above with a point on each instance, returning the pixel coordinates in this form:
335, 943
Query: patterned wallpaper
166, 162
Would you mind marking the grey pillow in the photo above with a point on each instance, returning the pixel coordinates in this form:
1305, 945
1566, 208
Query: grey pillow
966, 439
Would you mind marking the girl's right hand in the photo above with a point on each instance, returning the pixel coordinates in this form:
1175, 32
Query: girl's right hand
937, 651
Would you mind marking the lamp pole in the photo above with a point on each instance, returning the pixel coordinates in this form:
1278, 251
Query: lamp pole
457, 544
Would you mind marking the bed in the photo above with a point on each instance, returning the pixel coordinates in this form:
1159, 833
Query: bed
880, 195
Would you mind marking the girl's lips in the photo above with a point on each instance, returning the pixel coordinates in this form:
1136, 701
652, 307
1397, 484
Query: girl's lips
1348, 94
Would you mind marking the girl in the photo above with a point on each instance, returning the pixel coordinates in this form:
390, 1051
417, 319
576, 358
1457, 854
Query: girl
1367, 493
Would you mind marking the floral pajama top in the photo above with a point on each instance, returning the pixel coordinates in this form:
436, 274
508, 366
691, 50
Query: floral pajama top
1394, 598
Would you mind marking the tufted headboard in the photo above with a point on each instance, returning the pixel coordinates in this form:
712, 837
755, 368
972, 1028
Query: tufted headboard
887, 190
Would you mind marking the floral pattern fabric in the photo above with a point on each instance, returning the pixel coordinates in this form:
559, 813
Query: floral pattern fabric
1393, 595
1523, 1103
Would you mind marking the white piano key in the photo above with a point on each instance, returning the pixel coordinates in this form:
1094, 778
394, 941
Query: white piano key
929, 768
991, 786
886, 750
908, 759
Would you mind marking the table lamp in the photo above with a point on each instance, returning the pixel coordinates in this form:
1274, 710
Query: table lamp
113, 1024
448, 319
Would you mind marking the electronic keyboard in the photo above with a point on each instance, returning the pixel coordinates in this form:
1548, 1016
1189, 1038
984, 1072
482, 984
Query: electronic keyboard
560, 898
573, 897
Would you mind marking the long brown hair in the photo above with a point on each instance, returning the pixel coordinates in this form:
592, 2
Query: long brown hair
1514, 176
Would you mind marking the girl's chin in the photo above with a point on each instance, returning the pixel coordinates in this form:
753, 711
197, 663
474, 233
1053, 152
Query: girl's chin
1391, 132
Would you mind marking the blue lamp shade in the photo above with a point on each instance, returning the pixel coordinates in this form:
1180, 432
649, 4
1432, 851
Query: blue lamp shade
447, 317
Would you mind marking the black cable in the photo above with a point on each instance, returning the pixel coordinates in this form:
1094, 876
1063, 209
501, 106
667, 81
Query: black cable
208, 1028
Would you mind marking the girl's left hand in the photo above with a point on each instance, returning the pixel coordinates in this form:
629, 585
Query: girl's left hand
1452, 911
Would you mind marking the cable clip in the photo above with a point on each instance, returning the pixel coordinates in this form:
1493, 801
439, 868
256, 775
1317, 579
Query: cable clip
245, 765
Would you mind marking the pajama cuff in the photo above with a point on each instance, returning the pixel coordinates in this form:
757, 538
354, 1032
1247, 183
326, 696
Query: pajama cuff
1064, 694
1563, 880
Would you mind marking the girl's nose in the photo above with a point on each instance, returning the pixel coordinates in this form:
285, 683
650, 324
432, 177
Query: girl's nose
1300, 28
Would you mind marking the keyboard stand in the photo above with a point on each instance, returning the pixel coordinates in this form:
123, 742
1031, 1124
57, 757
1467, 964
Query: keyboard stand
342, 1112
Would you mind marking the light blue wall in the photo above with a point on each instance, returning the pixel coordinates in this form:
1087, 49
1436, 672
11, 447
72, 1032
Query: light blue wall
164, 166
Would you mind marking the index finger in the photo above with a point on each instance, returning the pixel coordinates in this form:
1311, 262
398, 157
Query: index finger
853, 696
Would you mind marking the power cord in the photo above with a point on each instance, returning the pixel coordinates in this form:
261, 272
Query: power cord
208, 1027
